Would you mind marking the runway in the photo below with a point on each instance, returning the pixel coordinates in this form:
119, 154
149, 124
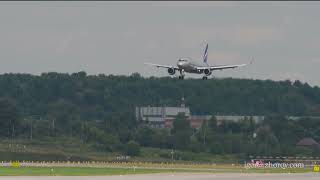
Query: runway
178, 176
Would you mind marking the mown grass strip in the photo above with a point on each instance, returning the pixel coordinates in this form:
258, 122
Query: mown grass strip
95, 171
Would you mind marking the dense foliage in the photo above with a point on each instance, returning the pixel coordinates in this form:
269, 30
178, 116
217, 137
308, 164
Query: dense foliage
100, 109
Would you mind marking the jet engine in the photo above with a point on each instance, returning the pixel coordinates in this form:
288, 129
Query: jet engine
207, 72
171, 71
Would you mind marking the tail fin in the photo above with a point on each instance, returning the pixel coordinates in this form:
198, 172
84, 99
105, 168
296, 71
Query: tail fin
205, 55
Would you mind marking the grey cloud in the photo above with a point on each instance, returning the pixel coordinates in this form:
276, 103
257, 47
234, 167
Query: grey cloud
117, 37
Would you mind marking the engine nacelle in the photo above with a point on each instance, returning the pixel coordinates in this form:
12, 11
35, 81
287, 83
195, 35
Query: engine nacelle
207, 72
171, 71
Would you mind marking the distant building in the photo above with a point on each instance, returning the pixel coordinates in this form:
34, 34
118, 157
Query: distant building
308, 142
163, 117
295, 118
196, 120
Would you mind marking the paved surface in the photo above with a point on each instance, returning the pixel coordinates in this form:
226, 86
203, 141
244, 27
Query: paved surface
180, 176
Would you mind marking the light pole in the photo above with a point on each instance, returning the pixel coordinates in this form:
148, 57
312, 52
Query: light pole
31, 128
204, 132
31, 117
172, 153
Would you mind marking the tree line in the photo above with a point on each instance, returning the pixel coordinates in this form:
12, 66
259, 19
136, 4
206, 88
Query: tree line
99, 109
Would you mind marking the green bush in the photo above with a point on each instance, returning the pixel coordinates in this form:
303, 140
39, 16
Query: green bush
133, 148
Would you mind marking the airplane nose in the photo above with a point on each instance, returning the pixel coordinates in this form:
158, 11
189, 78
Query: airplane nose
180, 63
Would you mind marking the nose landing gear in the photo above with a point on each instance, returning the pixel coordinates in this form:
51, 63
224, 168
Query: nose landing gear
181, 74
204, 77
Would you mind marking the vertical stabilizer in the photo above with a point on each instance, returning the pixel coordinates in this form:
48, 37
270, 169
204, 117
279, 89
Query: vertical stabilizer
205, 55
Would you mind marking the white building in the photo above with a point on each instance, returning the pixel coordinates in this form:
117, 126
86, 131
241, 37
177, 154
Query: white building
161, 117
156, 116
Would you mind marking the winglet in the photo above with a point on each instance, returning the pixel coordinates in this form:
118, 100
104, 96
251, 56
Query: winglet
205, 55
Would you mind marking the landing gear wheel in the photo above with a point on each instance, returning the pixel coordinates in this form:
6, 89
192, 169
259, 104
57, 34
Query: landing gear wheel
181, 74
204, 77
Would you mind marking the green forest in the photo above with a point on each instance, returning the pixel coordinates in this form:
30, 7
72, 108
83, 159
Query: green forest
98, 110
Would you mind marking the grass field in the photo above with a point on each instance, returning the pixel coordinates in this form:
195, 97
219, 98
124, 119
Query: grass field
60, 149
73, 171
96, 171
73, 159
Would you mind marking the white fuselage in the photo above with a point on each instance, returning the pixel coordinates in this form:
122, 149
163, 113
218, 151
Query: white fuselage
190, 66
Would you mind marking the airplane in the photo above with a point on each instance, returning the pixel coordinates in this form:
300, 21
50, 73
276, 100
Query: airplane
189, 66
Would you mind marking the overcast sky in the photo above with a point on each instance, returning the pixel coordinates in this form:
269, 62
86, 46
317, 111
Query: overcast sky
118, 37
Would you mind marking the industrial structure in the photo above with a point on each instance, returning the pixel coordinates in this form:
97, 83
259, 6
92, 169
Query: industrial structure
163, 117
160, 117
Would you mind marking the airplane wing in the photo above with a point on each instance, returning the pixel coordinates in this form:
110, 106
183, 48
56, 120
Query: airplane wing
212, 68
226, 67
163, 66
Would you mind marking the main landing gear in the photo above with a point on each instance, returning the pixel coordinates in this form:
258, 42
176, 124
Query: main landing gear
181, 74
204, 77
